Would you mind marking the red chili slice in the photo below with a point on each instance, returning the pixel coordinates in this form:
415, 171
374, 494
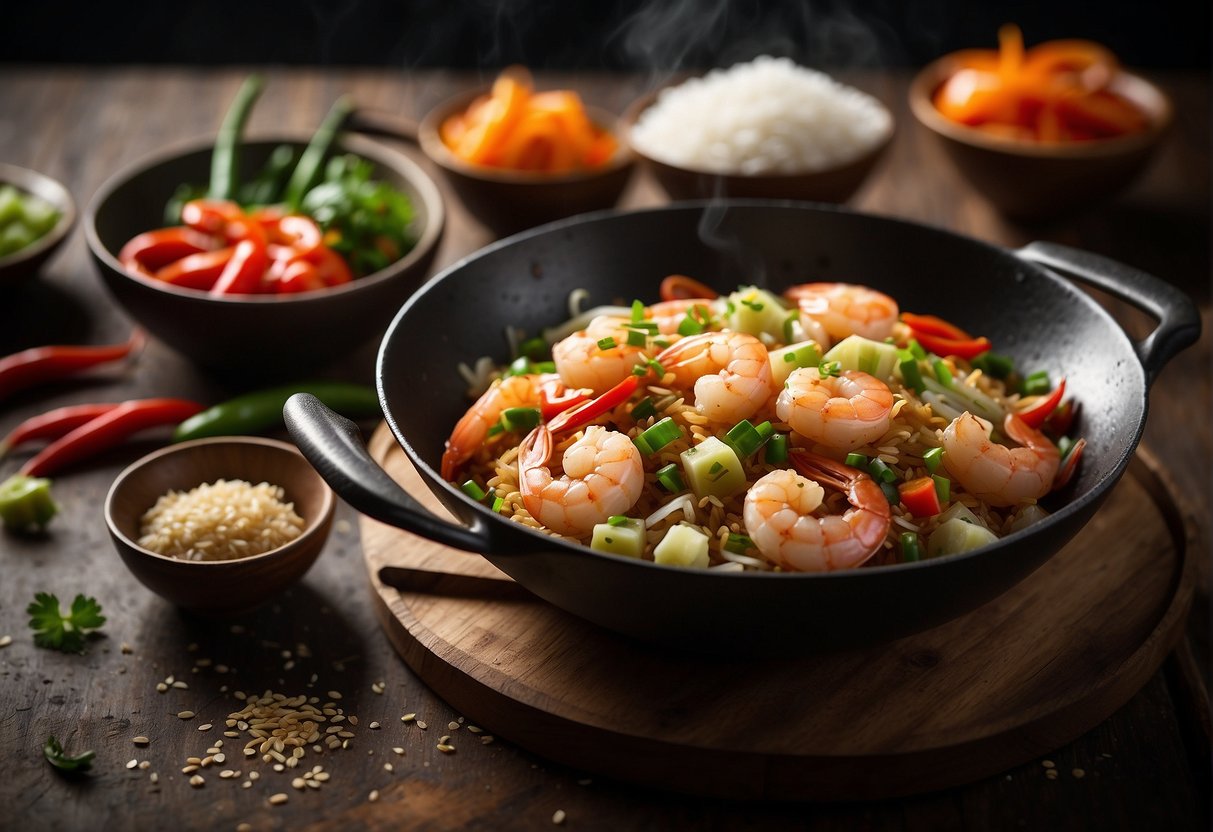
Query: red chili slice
588, 411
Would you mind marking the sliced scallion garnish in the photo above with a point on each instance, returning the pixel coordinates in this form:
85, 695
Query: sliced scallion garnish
473, 490
738, 543
857, 460
521, 419
777, 449
659, 435
670, 478
644, 409
910, 548
932, 459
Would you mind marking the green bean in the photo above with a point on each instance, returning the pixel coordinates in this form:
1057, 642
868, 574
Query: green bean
262, 410
225, 158
312, 162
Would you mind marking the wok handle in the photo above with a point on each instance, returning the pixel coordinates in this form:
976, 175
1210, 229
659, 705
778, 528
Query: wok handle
1178, 319
335, 448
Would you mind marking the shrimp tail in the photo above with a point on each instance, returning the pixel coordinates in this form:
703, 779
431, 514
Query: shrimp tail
869, 512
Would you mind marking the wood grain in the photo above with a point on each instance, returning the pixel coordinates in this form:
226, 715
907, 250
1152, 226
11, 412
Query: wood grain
1142, 768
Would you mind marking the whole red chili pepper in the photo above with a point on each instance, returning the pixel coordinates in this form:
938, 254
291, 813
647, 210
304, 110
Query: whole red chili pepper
53, 424
39, 365
108, 430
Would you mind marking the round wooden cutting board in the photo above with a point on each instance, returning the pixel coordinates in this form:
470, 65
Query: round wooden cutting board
1017, 678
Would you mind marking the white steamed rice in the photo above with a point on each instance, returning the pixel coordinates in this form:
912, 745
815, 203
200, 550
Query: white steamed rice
762, 117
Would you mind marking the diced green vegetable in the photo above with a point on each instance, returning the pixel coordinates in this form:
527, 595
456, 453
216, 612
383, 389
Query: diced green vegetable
756, 311
620, 536
738, 543
713, 469
23, 219
955, 536
637, 311
855, 352
932, 459
473, 490
1036, 384
857, 460
536, 349
644, 409
683, 546
670, 478
659, 435
880, 471
498, 502
910, 549
943, 488
520, 419
891, 493
943, 374
916, 349
777, 449
993, 364
607, 343
959, 511
637, 338
746, 438
786, 359
908, 369
26, 503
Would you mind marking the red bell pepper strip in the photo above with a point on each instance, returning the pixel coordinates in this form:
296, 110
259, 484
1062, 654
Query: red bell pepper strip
1069, 465
153, 250
920, 497
210, 216
106, 431
298, 276
681, 287
300, 233
575, 417
943, 338
1035, 414
242, 274
1062, 419
555, 398
39, 365
52, 424
197, 271
331, 267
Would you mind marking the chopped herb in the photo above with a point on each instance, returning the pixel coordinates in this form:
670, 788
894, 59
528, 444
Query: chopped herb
717, 471
942, 374
496, 429
757, 306
520, 366
637, 338
689, 326
659, 435
943, 488
56, 631
617, 519
891, 493
498, 502
910, 374
1036, 384
644, 409
536, 349
857, 460
916, 349
745, 438
777, 449
993, 364
60, 759
473, 490
787, 329
520, 419
543, 367
881, 472
932, 459
829, 368
670, 478
738, 543
637, 311
607, 343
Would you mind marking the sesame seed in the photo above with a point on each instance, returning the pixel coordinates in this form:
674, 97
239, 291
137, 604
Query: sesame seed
132, 764
558, 817
487, 739
452, 726
373, 796
332, 694
206, 726
422, 725
190, 769
161, 687
374, 726
475, 729
408, 717
179, 685
244, 827
254, 775
154, 777
387, 767
5, 641
278, 799
168, 680
144, 765
399, 750
140, 740
197, 781
185, 714
1047, 763
322, 776
299, 783
1078, 773
445, 738
445, 749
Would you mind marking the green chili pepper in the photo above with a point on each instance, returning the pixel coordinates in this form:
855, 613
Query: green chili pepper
262, 410
225, 158
311, 163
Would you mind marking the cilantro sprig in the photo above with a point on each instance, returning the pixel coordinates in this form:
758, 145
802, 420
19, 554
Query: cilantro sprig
63, 761
56, 631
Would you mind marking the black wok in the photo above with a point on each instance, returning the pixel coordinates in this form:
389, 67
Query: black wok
1017, 298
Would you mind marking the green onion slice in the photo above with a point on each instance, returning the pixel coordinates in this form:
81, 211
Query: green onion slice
943, 488
637, 311
777, 449
738, 543
932, 459
670, 478
520, 419
881, 472
617, 520
473, 490
910, 548
659, 435
942, 374
607, 343
857, 460
746, 438
644, 409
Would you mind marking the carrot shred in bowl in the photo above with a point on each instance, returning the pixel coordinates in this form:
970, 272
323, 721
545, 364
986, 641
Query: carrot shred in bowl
1057, 91
517, 128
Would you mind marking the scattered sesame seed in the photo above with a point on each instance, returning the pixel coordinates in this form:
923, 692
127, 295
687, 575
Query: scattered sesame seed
373, 796
374, 726
399, 751
190, 769
185, 714
154, 777
132, 763
125, 648
221, 668
475, 729
299, 783
334, 695
179, 685
168, 680
161, 687
278, 799
353, 720
487, 739
5, 641
220, 758
322, 776
422, 725
1051, 773
387, 767
445, 749
558, 817
1079, 773
197, 781
144, 765
1047, 763
140, 740
452, 726
206, 726
408, 717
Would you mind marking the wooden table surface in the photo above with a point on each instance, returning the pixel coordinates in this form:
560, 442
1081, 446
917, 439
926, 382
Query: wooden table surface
1145, 767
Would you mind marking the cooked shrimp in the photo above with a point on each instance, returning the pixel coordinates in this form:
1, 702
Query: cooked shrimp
669, 314
778, 514
582, 361
998, 474
729, 371
473, 428
841, 412
846, 309
603, 476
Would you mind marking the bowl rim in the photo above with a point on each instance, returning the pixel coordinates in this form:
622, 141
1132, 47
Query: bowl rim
643, 102
327, 507
928, 79
18, 176
427, 240
435, 149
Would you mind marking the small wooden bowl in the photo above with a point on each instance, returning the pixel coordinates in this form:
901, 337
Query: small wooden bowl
229, 587
835, 185
1037, 182
25, 262
510, 200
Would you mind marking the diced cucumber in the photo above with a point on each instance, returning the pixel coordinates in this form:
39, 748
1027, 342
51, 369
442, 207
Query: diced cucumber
786, 359
683, 546
1031, 514
26, 503
755, 311
956, 536
958, 511
855, 352
626, 538
712, 468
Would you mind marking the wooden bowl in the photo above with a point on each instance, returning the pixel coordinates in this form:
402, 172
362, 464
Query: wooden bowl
267, 337
834, 185
1037, 182
24, 263
226, 587
510, 200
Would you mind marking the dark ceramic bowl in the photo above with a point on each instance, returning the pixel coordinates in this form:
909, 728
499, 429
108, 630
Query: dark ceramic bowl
835, 184
222, 587
263, 336
511, 200
1039, 182
25, 262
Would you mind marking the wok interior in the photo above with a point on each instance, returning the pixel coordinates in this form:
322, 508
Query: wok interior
1042, 321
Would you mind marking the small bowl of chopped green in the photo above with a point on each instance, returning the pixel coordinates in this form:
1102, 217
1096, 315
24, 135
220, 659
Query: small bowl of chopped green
219, 525
36, 215
264, 257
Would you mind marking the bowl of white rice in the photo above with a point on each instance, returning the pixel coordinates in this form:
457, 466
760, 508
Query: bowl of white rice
220, 525
768, 128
